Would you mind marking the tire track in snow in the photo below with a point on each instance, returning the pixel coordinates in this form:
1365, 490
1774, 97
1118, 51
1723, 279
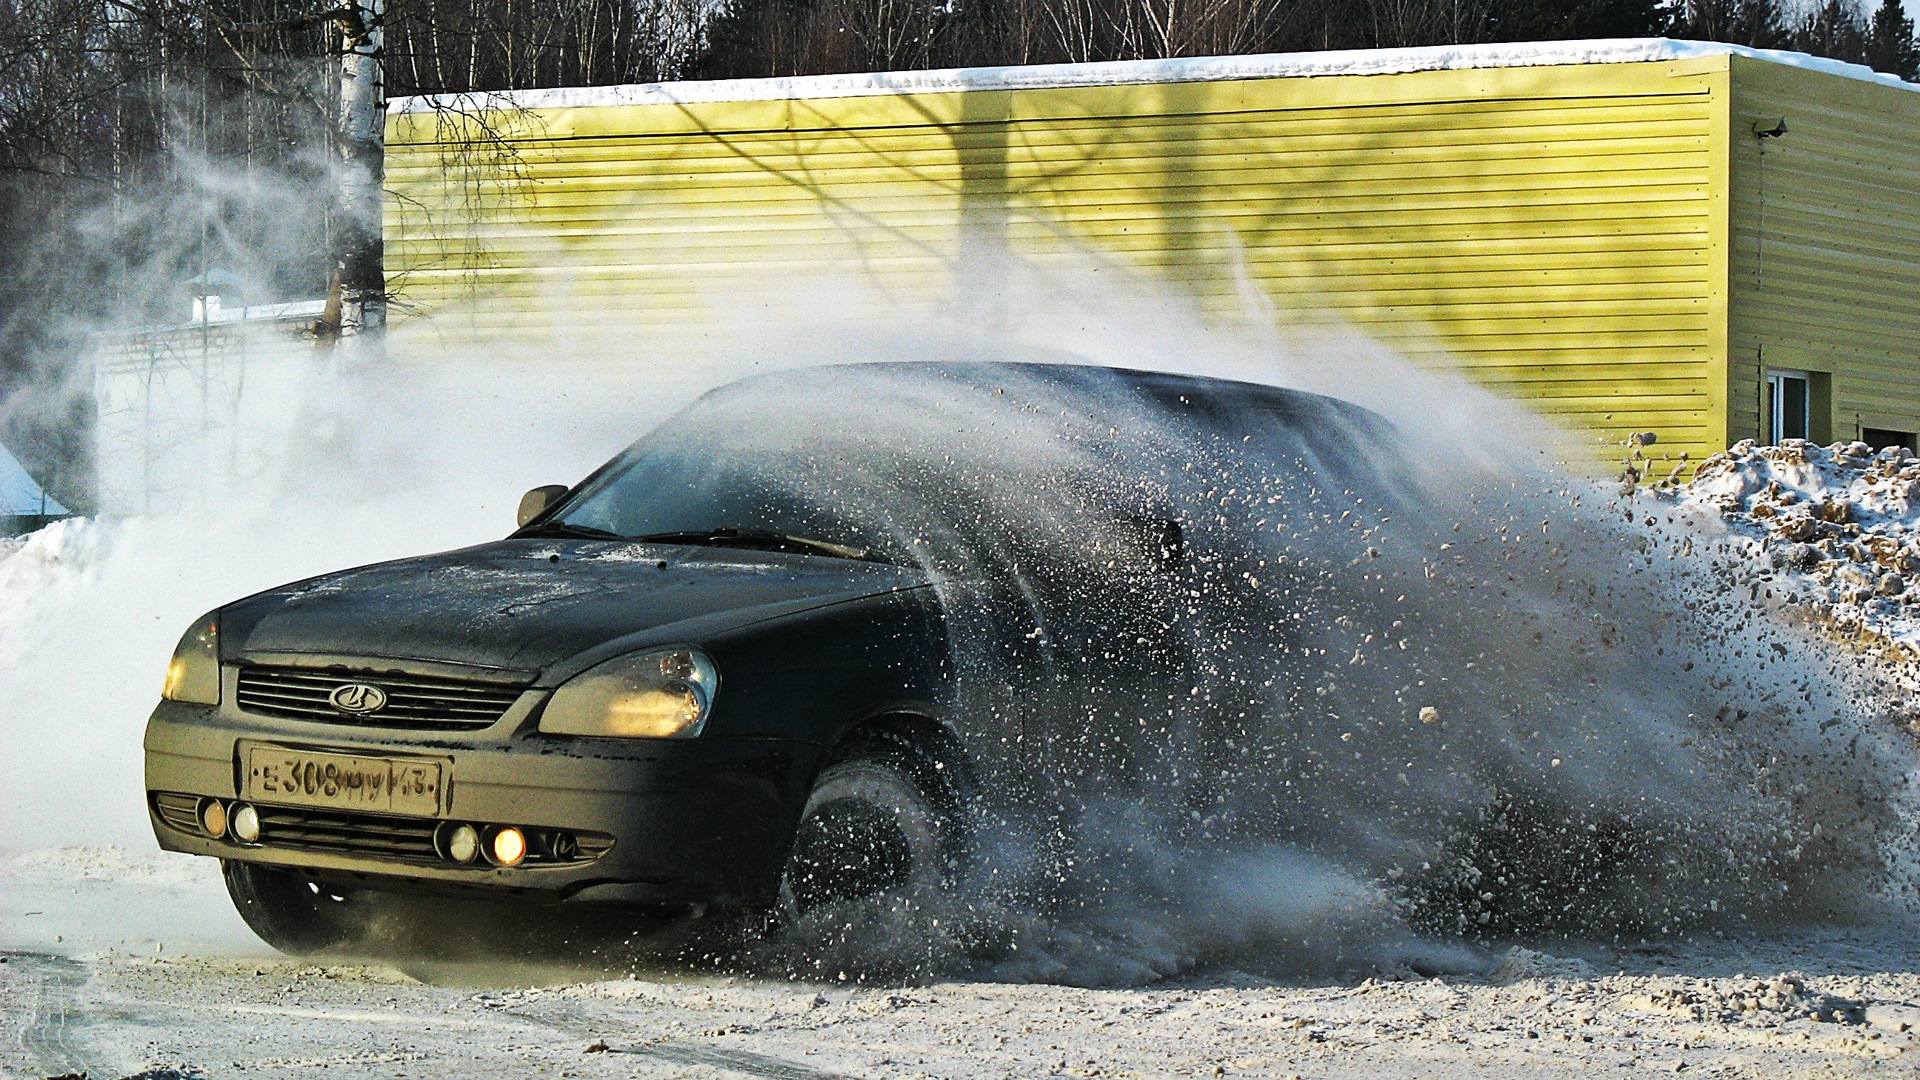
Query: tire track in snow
41, 1004
745, 1062
739, 1061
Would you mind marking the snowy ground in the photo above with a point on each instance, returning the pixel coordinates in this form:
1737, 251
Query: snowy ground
180, 996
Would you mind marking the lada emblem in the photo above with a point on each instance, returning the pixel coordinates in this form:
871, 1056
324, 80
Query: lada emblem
358, 698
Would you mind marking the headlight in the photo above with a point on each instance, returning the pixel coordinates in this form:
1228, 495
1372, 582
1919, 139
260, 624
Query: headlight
194, 674
652, 695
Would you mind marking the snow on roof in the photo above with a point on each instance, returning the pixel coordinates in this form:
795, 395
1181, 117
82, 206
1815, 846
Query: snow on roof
19, 494
1136, 72
211, 310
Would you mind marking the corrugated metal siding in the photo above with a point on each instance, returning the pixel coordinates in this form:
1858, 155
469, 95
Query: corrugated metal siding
1826, 230
1558, 229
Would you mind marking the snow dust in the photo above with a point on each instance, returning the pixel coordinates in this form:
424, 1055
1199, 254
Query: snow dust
1517, 706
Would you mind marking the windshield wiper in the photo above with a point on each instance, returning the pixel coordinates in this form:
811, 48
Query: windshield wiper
761, 539
568, 528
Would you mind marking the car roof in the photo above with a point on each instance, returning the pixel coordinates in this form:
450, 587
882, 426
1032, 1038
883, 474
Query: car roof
1173, 391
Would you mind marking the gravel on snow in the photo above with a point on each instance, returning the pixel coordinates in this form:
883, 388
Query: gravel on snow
1832, 1004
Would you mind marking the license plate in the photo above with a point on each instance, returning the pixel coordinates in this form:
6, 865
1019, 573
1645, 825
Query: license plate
345, 781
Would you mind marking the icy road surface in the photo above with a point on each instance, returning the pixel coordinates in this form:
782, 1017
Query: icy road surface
181, 990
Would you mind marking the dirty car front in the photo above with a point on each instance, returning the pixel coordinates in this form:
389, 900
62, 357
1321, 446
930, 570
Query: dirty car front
466, 650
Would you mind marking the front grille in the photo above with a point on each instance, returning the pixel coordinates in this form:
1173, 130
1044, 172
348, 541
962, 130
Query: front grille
413, 701
404, 839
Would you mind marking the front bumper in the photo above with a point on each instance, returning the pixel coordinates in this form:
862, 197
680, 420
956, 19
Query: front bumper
695, 821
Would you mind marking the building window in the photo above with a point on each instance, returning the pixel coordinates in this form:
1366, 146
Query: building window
1791, 393
1881, 438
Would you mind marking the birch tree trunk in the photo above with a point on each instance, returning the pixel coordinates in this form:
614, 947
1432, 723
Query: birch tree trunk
363, 123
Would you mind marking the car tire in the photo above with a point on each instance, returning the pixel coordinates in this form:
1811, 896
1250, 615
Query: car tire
879, 820
289, 912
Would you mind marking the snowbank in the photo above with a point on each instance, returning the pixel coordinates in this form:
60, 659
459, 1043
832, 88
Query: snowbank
1834, 527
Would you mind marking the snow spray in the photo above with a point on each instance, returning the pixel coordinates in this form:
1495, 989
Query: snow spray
1383, 707
1432, 693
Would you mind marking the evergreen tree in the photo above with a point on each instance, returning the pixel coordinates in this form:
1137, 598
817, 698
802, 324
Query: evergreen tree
1890, 42
1560, 20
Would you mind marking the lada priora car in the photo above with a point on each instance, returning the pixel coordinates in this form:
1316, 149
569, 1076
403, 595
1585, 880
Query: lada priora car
767, 658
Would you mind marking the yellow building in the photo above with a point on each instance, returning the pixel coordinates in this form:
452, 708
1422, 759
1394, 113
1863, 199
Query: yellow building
1697, 240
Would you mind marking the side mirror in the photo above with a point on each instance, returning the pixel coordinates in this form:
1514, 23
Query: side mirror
535, 502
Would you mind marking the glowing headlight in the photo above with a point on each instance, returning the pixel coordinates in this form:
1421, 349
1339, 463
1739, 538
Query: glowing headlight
652, 695
194, 674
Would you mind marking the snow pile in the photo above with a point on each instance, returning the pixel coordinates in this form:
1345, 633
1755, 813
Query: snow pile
1519, 964
1578, 987
38, 572
1836, 528
37, 551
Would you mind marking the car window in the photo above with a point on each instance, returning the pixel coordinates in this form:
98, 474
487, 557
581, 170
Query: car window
664, 486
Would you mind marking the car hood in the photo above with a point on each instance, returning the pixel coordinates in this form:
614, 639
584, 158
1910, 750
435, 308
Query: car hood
524, 605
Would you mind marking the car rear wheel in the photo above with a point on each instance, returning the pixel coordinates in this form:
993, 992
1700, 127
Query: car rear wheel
290, 912
878, 821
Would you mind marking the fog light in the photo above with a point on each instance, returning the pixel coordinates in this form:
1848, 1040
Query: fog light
244, 820
509, 846
213, 818
463, 843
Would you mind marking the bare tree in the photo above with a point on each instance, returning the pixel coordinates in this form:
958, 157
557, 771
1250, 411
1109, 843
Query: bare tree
1758, 23
440, 46
1426, 22
1836, 28
152, 151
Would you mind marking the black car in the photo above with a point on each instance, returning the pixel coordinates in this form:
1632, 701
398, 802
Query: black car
803, 642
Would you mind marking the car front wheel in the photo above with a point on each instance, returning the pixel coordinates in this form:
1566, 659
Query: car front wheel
879, 821
303, 917
289, 912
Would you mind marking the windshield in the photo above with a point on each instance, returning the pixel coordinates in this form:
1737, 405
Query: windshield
663, 487
907, 465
